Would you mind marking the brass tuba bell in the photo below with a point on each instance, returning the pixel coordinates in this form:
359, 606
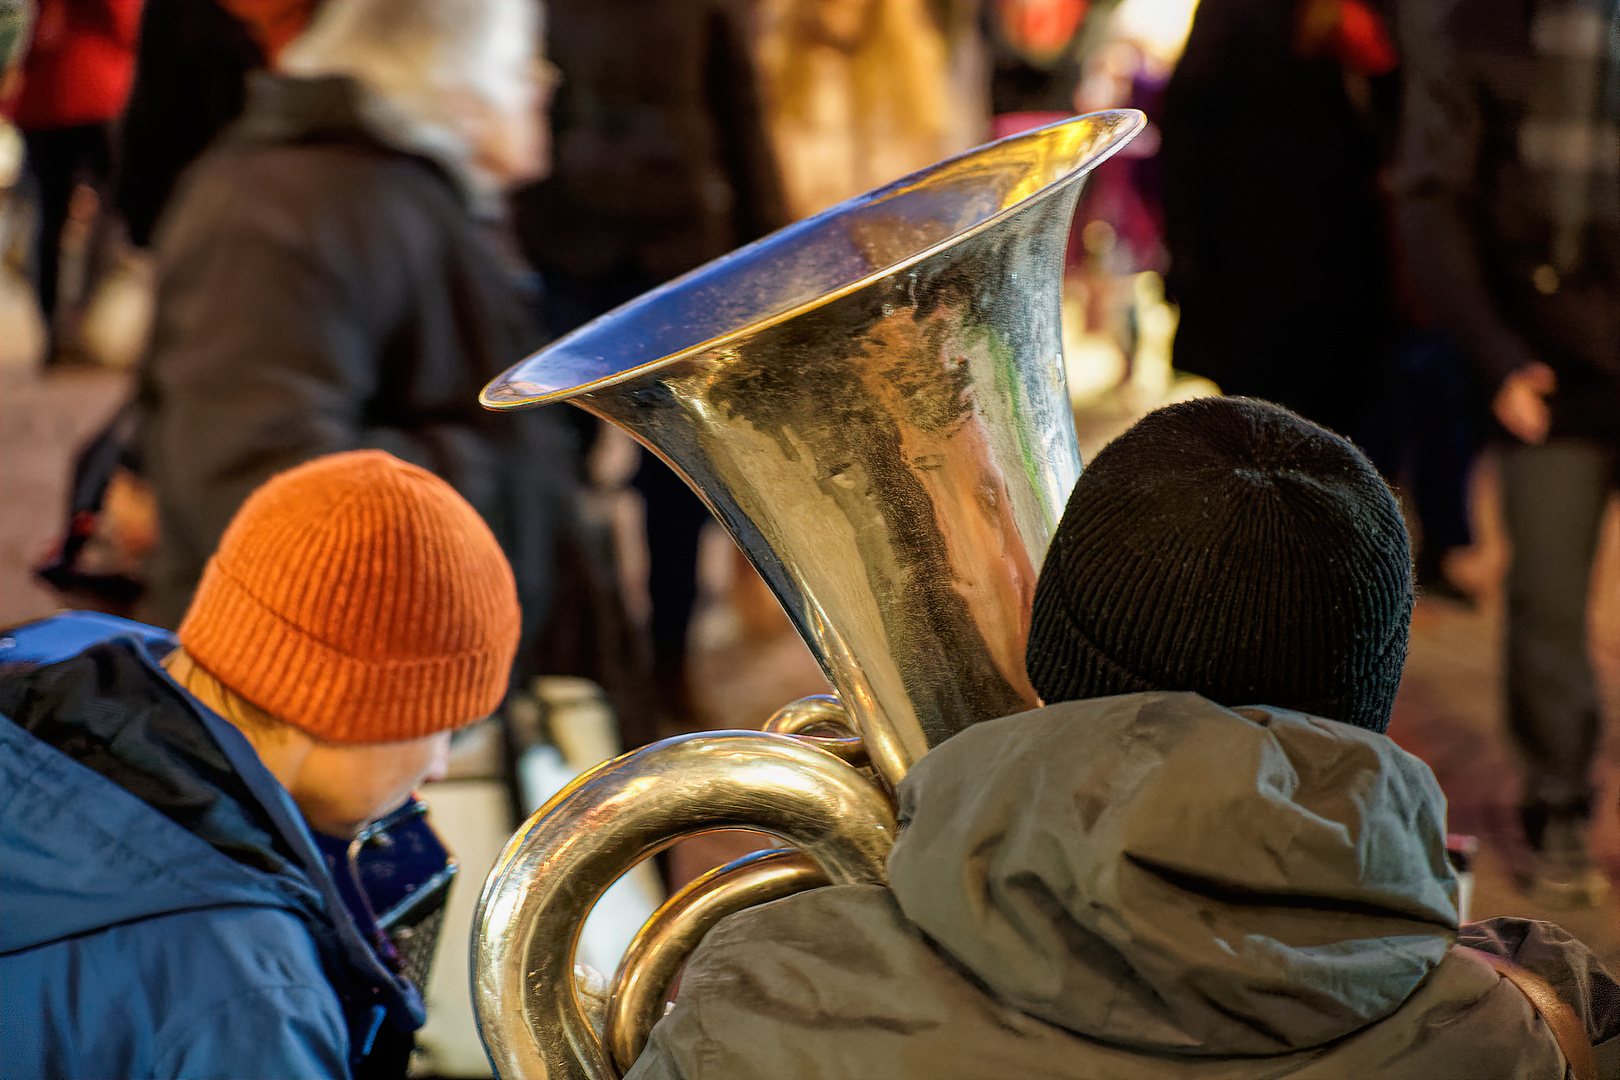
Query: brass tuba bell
873, 402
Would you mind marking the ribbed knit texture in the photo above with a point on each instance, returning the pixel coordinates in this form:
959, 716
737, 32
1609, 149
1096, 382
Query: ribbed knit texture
361, 599
1228, 547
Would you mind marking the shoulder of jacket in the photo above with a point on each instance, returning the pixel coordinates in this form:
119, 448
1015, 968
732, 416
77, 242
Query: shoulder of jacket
1466, 1011
789, 929
318, 182
59, 637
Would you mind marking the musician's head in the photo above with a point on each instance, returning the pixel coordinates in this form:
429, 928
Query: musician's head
356, 612
1228, 547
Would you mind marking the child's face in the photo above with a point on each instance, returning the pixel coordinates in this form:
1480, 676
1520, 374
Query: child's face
341, 788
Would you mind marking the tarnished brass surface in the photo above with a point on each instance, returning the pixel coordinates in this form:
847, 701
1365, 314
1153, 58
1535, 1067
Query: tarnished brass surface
556, 867
642, 984
873, 403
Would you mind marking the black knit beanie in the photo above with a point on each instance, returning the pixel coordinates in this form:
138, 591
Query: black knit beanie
1228, 547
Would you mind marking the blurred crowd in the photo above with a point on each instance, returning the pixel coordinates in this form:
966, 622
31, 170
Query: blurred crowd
1399, 218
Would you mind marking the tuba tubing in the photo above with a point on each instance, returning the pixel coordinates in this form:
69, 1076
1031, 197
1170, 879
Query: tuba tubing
873, 403
558, 865
641, 985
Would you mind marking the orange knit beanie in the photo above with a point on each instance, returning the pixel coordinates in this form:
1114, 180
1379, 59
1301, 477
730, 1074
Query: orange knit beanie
358, 598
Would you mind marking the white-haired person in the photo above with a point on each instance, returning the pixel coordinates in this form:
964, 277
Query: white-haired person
164, 908
328, 278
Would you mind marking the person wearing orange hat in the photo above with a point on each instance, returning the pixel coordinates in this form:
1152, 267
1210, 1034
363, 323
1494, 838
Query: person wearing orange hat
164, 909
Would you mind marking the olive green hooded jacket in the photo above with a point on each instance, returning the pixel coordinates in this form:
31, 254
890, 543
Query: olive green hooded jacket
1143, 885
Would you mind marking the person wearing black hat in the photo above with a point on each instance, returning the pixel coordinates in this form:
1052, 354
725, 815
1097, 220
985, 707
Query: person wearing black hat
1202, 857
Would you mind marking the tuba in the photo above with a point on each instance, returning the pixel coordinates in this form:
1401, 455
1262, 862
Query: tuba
872, 402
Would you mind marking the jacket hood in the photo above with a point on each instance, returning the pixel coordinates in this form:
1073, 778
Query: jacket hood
1158, 872
83, 851
122, 798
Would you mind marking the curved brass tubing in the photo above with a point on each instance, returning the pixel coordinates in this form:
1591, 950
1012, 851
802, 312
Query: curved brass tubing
642, 983
562, 860
812, 719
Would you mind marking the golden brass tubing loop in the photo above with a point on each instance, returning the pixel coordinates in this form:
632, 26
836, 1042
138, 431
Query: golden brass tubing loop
824, 711
641, 986
555, 868
642, 983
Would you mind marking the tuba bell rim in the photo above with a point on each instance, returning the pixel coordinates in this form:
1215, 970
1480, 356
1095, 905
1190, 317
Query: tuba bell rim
509, 391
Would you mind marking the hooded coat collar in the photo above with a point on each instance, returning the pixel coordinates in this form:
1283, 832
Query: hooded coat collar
122, 798
1160, 873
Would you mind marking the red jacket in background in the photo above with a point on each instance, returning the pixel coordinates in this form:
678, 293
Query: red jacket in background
79, 65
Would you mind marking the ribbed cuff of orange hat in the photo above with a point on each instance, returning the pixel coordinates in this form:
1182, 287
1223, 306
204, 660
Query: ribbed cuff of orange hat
340, 698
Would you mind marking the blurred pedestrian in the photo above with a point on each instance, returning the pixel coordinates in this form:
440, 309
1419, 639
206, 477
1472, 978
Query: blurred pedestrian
190, 84
328, 279
1510, 201
1039, 50
1426, 440
663, 162
73, 84
1275, 129
862, 92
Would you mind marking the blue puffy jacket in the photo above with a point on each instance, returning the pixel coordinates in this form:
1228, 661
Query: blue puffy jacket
163, 909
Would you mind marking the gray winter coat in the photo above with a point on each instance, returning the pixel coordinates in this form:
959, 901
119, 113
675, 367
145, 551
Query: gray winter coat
1144, 885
